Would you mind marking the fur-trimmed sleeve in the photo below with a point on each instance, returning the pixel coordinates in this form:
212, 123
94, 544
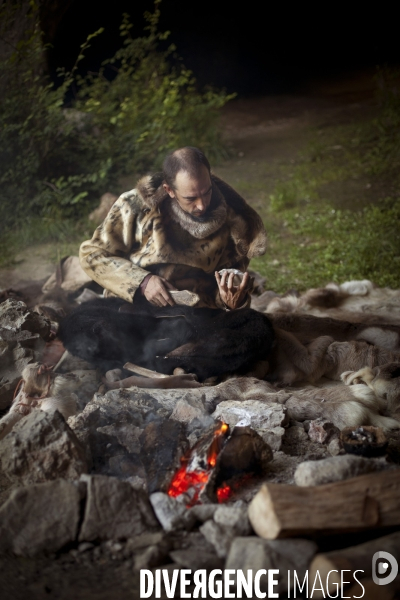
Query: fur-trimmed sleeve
105, 257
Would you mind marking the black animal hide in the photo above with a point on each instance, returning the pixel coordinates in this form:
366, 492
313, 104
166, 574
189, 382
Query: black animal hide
208, 342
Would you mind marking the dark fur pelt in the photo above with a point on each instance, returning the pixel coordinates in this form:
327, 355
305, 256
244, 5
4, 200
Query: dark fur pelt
208, 342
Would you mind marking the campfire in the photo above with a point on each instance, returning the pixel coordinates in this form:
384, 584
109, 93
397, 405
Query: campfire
209, 473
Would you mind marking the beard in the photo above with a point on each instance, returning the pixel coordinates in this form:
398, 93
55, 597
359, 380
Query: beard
201, 219
200, 227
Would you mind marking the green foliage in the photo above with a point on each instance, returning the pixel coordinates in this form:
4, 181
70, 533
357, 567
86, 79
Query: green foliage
322, 244
149, 107
55, 161
335, 215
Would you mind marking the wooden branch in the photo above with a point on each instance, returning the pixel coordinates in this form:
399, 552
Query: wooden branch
144, 372
345, 506
352, 559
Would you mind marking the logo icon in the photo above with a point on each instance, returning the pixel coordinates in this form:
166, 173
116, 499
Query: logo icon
384, 563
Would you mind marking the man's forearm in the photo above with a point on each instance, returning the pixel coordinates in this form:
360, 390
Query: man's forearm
118, 275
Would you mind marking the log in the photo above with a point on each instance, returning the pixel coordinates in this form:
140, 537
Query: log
355, 558
142, 371
346, 506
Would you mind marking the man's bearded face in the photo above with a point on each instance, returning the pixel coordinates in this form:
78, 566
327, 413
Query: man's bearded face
193, 194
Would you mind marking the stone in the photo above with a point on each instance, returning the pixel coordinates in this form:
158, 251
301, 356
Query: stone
110, 425
15, 316
322, 431
40, 518
296, 441
196, 429
197, 558
265, 418
258, 415
41, 447
129, 468
285, 555
220, 537
153, 556
334, 447
234, 518
188, 409
163, 444
137, 543
336, 468
17, 350
169, 511
201, 513
114, 510
22, 335
85, 546
273, 437
228, 522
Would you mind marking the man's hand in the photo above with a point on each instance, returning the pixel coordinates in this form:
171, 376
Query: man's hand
232, 295
156, 291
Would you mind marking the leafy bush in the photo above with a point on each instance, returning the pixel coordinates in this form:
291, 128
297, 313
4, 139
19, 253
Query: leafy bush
55, 160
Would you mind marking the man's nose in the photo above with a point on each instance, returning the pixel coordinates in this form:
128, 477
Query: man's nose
200, 205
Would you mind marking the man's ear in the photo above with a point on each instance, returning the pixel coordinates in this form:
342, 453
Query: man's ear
169, 190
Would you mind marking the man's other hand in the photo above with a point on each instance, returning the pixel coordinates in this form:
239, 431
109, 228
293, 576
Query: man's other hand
233, 296
156, 291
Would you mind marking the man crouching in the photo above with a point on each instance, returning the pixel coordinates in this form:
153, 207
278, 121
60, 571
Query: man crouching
175, 231
182, 229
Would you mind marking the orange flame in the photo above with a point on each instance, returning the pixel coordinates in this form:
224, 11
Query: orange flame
194, 481
215, 446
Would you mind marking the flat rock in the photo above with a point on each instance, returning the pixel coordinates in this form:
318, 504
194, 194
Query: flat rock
41, 447
273, 437
233, 517
39, 518
259, 415
188, 409
285, 555
336, 468
115, 510
201, 513
169, 511
15, 316
220, 537
228, 522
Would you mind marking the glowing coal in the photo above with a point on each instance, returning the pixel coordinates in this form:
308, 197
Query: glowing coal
196, 469
219, 464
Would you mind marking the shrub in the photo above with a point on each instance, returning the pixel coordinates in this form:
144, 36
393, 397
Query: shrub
55, 159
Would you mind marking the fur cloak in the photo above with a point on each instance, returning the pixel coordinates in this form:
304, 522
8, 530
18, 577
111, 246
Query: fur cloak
146, 231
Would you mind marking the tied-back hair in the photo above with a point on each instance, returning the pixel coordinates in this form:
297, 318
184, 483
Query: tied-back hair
187, 159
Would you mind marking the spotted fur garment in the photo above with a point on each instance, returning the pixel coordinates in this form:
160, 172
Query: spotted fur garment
146, 231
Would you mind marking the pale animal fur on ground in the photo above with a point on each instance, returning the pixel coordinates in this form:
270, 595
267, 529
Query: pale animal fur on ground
41, 390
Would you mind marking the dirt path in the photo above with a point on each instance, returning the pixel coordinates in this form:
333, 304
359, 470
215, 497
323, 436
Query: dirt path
264, 134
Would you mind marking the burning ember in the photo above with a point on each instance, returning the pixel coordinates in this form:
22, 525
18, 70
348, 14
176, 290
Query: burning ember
220, 464
195, 472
